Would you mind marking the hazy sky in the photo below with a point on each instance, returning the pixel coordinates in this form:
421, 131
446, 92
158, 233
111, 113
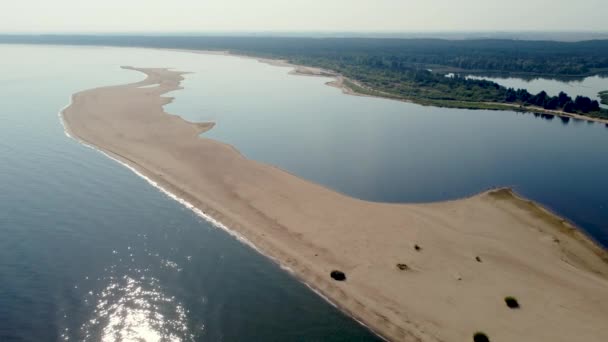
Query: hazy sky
301, 15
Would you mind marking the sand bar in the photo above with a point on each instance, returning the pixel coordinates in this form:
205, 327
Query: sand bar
472, 252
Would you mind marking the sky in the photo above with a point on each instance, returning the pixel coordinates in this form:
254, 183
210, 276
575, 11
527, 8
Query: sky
57, 16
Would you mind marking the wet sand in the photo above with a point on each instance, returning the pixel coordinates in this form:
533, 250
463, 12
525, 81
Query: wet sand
471, 253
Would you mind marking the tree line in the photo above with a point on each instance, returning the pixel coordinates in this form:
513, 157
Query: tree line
415, 83
495, 55
412, 69
581, 104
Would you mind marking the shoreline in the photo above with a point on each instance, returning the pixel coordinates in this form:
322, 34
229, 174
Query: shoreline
341, 82
135, 169
369, 305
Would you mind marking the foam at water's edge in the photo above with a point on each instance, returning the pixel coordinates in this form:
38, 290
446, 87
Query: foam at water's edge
169, 194
198, 212
65, 127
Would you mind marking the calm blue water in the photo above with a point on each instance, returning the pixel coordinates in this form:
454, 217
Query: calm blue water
89, 251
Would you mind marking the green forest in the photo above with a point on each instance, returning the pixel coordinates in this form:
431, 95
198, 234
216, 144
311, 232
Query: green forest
604, 97
430, 88
549, 58
410, 69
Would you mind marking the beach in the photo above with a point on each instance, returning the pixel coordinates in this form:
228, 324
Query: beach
470, 254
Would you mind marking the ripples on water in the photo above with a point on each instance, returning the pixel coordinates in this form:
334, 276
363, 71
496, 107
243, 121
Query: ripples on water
131, 304
131, 309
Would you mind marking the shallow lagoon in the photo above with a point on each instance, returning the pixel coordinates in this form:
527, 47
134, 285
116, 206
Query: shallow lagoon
383, 150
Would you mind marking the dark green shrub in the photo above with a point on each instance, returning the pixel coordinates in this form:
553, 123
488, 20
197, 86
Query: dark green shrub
512, 302
338, 275
480, 337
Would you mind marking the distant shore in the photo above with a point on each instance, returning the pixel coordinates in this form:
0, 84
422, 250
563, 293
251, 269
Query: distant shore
352, 87
414, 272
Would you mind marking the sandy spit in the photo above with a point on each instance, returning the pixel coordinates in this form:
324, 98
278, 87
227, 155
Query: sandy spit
339, 81
471, 253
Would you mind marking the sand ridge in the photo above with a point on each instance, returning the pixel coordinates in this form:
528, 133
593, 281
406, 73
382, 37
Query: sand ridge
472, 252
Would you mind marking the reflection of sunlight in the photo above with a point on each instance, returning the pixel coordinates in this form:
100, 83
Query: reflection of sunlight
133, 310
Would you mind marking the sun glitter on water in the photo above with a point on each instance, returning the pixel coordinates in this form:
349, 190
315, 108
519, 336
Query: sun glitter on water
135, 309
